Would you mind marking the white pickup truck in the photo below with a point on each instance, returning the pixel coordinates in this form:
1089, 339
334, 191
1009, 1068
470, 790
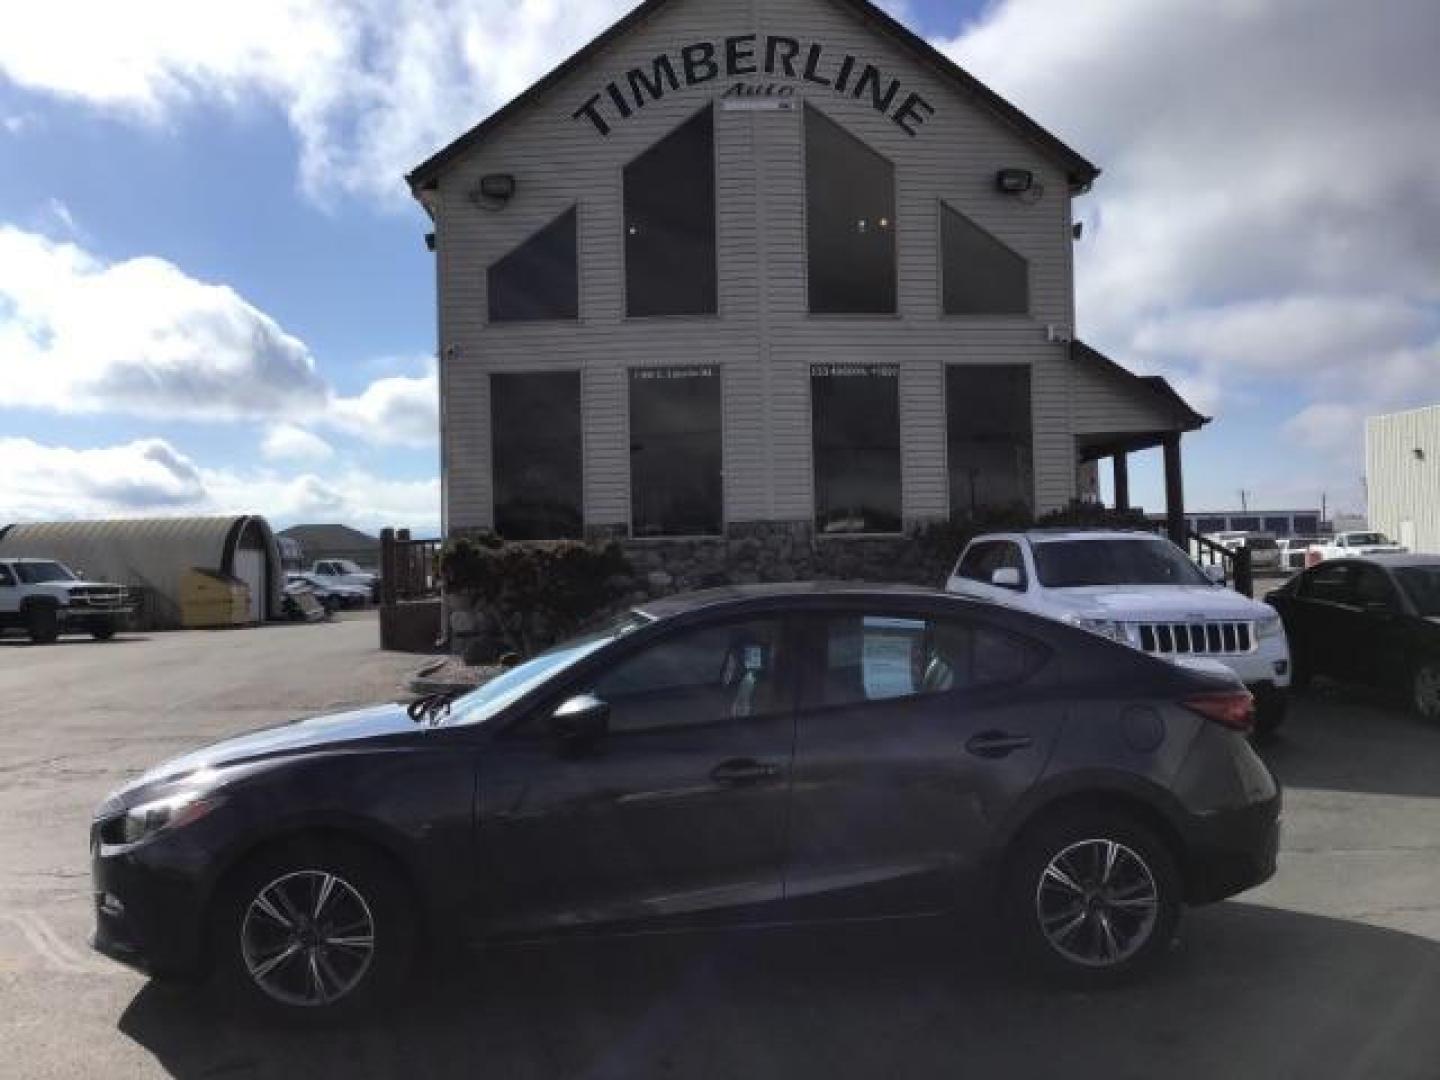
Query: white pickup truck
1350, 545
1140, 590
347, 574
45, 599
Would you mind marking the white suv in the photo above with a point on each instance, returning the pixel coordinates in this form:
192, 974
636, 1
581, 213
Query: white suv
1140, 590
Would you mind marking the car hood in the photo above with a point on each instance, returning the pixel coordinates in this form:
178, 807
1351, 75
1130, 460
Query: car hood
319, 734
72, 586
1161, 603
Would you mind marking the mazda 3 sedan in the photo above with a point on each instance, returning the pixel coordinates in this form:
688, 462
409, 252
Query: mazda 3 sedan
745, 756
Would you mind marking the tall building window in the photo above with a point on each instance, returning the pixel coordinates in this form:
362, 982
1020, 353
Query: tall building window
540, 279
981, 275
675, 451
670, 223
536, 449
990, 436
850, 221
855, 420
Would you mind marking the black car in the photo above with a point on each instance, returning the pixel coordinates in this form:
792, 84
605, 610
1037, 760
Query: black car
736, 757
1373, 620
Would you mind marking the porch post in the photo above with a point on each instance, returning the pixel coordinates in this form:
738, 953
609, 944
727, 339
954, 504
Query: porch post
1175, 491
1122, 481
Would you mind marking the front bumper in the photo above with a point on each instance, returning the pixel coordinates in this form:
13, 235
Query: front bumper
146, 916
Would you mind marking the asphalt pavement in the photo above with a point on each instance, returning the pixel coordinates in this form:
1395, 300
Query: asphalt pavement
1331, 970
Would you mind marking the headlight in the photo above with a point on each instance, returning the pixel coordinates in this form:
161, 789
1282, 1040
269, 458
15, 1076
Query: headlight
1106, 628
1270, 627
173, 812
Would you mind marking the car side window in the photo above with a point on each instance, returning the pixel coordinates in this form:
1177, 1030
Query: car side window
7, 579
703, 676
972, 566
1330, 585
882, 657
1009, 557
1373, 589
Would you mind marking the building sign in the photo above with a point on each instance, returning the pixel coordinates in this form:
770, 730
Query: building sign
661, 374
750, 64
843, 371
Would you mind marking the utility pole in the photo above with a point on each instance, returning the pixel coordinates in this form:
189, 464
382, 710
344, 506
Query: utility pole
1244, 501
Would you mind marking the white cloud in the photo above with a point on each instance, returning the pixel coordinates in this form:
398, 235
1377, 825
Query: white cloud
82, 335
370, 87
150, 477
287, 442
1268, 225
399, 410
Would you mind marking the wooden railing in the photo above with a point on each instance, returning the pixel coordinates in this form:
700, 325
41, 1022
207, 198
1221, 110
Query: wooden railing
409, 569
1237, 564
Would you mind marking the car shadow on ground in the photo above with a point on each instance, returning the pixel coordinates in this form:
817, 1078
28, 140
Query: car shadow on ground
1249, 992
18, 642
1343, 738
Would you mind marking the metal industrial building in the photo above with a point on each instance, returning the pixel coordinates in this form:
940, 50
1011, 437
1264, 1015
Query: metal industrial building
1402, 468
747, 268
154, 556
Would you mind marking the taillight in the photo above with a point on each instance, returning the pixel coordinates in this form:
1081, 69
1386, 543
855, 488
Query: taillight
1234, 710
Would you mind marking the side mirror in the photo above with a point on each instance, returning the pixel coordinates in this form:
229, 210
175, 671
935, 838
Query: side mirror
580, 723
1006, 578
1215, 573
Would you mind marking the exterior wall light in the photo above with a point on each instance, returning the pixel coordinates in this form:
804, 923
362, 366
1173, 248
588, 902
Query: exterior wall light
494, 191
1014, 181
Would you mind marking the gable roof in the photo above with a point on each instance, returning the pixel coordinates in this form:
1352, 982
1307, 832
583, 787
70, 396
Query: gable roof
1155, 387
1080, 171
331, 538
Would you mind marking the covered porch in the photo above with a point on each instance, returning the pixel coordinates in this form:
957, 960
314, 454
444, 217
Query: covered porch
1118, 413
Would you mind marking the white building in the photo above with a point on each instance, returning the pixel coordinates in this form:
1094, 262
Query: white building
1402, 466
742, 267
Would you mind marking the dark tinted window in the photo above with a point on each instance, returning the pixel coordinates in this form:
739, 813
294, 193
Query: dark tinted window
1245, 524
883, 657
1278, 525
1330, 584
1072, 564
675, 451
982, 560
670, 223
991, 443
981, 275
697, 677
1307, 526
535, 428
539, 279
1372, 587
1422, 585
856, 427
850, 221
1208, 525
7, 580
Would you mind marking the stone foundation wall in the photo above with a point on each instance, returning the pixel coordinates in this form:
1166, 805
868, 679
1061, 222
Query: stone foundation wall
749, 554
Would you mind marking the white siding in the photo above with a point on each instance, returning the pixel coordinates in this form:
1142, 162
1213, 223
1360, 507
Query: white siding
764, 339
1405, 487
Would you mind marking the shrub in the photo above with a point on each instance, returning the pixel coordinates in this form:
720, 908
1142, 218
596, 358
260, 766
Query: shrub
536, 594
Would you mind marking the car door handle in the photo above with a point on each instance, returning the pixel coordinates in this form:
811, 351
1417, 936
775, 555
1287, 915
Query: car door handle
998, 744
743, 771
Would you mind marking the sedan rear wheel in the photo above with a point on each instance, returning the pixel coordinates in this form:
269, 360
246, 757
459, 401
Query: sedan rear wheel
1093, 897
1425, 691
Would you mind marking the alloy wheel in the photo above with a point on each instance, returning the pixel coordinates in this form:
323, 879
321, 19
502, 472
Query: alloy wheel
1427, 691
308, 939
1097, 903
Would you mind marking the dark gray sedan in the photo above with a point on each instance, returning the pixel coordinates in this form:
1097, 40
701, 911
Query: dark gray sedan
738, 757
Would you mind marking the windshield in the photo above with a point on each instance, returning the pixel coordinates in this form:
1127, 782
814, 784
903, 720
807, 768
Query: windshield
1075, 564
1365, 539
509, 687
345, 566
1422, 585
38, 573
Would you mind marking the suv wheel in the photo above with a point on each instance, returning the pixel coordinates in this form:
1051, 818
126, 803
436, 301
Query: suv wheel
1093, 897
43, 624
314, 932
1425, 691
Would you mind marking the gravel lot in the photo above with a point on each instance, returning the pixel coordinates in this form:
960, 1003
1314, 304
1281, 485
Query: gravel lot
1331, 970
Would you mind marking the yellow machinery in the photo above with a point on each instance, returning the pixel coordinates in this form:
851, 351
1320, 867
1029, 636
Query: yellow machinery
210, 599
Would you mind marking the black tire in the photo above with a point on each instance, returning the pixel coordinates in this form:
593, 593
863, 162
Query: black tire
240, 929
103, 631
1143, 868
43, 623
1425, 691
1270, 712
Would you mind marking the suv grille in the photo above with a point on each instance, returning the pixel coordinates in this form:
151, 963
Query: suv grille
1197, 639
98, 598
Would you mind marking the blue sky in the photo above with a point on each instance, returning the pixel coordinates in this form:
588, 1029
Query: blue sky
1264, 234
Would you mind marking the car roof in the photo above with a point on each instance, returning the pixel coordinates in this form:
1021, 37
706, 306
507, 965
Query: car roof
1396, 561
1043, 536
683, 603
